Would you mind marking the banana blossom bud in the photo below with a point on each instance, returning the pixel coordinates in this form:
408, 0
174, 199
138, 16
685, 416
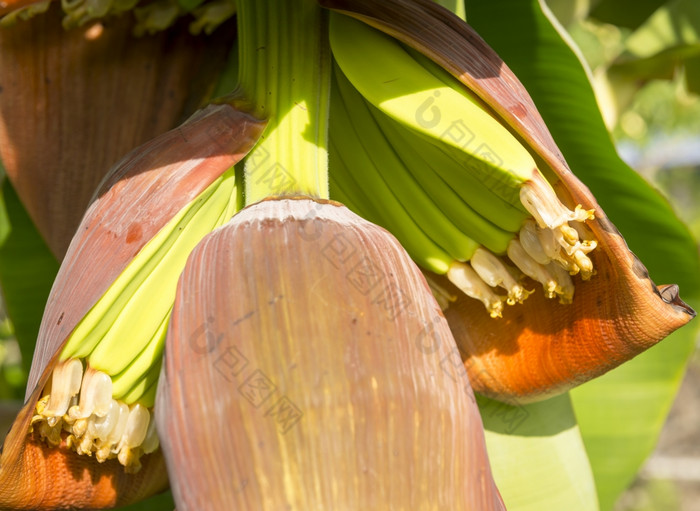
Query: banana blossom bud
309, 336
63, 92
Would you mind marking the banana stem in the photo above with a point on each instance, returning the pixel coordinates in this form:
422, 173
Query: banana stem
285, 71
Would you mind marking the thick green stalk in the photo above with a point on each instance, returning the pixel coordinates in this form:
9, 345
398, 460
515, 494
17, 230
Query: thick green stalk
285, 72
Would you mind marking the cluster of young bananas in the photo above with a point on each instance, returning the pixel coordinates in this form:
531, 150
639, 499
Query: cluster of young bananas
412, 150
102, 391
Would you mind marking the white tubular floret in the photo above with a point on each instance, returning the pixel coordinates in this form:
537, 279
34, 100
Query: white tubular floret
95, 395
65, 383
566, 244
494, 273
468, 281
93, 422
565, 286
584, 264
531, 242
134, 435
107, 447
101, 427
151, 442
540, 200
532, 268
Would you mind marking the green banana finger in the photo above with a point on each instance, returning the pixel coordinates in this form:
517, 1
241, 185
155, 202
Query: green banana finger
344, 189
127, 310
143, 391
436, 162
125, 382
408, 192
142, 314
109, 367
346, 147
337, 193
393, 81
415, 153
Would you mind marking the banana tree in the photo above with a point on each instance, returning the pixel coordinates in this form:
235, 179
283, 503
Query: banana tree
287, 299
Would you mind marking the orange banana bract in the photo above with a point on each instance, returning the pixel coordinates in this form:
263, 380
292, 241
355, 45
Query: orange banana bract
309, 367
34, 476
74, 101
138, 197
542, 347
539, 350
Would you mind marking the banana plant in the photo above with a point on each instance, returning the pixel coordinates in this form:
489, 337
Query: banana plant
287, 299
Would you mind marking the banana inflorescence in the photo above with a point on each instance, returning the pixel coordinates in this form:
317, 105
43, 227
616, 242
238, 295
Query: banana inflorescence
414, 151
103, 389
411, 150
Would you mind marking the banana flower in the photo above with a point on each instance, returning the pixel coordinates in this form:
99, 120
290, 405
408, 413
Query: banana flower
298, 307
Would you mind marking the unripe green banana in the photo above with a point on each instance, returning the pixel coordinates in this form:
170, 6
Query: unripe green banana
448, 162
346, 190
428, 164
154, 275
437, 163
371, 175
461, 156
137, 304
393, 81
143, 370
144, 390
351, 165
392, 170
104, 328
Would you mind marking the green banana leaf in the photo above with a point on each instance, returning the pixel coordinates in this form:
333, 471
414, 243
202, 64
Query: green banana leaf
621, 413
537, 456
692, 74
27, 270
624, 13
670, 38
674, 25
570, 11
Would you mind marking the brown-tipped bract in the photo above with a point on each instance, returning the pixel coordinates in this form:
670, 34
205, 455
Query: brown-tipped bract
74, 102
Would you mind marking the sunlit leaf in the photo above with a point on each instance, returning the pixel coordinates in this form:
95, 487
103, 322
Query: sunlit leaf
625, 13
675, 24
537, 456
668, 40
162, 502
